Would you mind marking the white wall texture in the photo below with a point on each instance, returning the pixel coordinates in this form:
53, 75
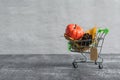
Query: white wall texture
37, 26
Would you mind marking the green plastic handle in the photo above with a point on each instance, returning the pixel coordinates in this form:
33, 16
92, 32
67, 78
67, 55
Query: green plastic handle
69, 46
103, 30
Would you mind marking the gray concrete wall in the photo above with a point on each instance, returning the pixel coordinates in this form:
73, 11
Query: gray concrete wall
37, 26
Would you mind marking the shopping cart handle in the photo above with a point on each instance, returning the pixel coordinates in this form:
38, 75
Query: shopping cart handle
69, 46
103, 30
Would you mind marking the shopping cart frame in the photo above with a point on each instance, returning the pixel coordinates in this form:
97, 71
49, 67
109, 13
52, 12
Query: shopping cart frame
97, 42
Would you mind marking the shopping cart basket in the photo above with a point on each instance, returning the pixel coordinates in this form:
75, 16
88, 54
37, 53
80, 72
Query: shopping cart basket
92, 47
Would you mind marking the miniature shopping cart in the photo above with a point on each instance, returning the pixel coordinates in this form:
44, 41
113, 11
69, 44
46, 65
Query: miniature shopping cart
91, 47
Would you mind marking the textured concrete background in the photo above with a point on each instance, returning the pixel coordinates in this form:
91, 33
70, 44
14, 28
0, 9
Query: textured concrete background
37, 26
56, 67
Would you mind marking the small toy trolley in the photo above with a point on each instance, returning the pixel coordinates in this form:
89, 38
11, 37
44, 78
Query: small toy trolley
91, 47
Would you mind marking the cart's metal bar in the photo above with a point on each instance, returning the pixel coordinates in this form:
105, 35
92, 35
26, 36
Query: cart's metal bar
103, 37
99, 56
80, 52
87, 61
85, 57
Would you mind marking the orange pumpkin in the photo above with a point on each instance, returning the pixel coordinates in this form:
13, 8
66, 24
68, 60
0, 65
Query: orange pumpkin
74, 31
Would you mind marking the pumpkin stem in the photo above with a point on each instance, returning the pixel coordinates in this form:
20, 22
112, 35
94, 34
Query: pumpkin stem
75, 26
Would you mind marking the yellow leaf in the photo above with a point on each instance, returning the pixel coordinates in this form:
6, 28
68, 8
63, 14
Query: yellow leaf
92, 32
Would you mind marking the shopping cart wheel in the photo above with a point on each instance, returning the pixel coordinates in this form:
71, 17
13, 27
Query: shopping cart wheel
95, 62
75, 65
100, 66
